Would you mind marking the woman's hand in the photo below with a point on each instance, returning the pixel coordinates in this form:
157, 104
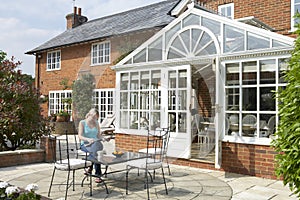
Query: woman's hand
90, 140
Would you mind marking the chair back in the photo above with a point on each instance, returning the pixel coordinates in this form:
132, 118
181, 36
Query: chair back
249, 119
157, 145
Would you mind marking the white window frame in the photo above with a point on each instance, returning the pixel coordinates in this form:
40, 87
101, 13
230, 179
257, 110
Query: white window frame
55, 101
229, 6
53, 60
102, 54
104, 102
293, 12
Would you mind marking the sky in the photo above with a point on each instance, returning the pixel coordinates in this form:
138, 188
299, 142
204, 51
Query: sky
26, 24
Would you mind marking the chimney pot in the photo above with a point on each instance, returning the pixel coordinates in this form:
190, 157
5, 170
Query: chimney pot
79, 11
75, 10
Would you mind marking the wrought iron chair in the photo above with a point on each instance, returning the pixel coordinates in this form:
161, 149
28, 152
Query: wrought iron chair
66, 159
157, 142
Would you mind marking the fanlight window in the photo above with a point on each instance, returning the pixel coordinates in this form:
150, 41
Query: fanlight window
190, 43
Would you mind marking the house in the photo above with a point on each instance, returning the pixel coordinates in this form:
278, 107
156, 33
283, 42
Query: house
207, 70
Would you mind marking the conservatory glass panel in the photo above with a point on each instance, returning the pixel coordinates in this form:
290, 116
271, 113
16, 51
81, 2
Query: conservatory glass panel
283, 67
155, 119
133, 100
232, 74
232, 99
212, 25
144, 100
182, 95
172, 32
178, 45
210, 49
134, 120
267, 100
174, 53
249, 76
191, 19
124, 81
140, 57
276, 43
249, 99
124, 119
234, 39
145, 80
155, 50
185, 36
155, 79
255, 41
267, 69
134, 80
182, 82
196, 37
156, 100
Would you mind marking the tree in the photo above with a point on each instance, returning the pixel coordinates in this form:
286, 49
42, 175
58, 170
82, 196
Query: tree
82, 96
21, 124
287, 143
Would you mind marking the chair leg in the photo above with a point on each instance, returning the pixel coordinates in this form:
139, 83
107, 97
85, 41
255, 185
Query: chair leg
91, 186
163, 174
73, 180
147, 183
51, 182
127, 171
67, 185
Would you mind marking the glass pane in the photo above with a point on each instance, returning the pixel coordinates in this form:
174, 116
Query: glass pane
191, 19
172, 121
124, 119
155, 79
134, 123
172, 79
276, 43
179, 46
182, 122
156, 100
155, 120
185, 36
133, 100
233, 124
155, 50
172, 100
123, 100
257, 42
283, 66
267, 99
174, 53
212, 25
249, 99
249, 76
124, 81
140, 57
182, 82
267, 125
134, 80
249, 125
182, 95
232, 99
145, 80
267, 69
171, 33
232, 74
144, 100
234, 39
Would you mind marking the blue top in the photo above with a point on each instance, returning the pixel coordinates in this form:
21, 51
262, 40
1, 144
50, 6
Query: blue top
89, 132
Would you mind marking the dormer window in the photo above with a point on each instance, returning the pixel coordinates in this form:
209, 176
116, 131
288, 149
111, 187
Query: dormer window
227, 10
53, 60
295, 7
101, 53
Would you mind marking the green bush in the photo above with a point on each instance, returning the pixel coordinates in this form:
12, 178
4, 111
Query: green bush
287, 142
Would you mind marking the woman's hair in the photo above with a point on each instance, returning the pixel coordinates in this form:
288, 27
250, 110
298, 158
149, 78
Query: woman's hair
92, 112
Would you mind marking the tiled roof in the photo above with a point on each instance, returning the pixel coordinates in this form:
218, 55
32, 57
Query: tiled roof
155, 15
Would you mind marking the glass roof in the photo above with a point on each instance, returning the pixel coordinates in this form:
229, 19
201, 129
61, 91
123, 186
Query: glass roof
197, 33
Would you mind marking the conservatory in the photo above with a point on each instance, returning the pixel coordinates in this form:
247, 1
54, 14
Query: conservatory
209, 79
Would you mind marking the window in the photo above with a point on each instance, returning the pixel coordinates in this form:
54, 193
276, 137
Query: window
227, 10
53, 60
295, 7
250, 103
101, 53
57, 103
104, 102
140, 98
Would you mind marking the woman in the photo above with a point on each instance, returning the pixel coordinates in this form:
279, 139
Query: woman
90, 136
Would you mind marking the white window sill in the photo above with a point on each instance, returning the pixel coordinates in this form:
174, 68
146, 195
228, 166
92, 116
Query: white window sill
247, 140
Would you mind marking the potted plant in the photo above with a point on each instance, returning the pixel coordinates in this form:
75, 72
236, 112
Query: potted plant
62, 116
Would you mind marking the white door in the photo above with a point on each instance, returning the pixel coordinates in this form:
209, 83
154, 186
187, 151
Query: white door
175, 104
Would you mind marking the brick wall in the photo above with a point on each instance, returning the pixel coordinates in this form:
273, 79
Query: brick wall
254, 160
21, 157
249, 159
276, 14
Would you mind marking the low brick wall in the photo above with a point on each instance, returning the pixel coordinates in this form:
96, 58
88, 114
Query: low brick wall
29, 156
21, 157
249, 159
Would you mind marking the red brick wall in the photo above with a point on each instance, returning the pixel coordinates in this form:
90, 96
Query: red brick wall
255, 160
249, 159
21, 157
276, 14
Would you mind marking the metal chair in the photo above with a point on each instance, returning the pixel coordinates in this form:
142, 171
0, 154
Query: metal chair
66, 159
157, 142
271, 125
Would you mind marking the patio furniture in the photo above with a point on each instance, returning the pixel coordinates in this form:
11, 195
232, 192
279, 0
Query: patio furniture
156, 143
249, 124
66, 159
152, 151
107, 126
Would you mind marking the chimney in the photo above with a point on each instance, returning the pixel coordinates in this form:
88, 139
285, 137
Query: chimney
75, 19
